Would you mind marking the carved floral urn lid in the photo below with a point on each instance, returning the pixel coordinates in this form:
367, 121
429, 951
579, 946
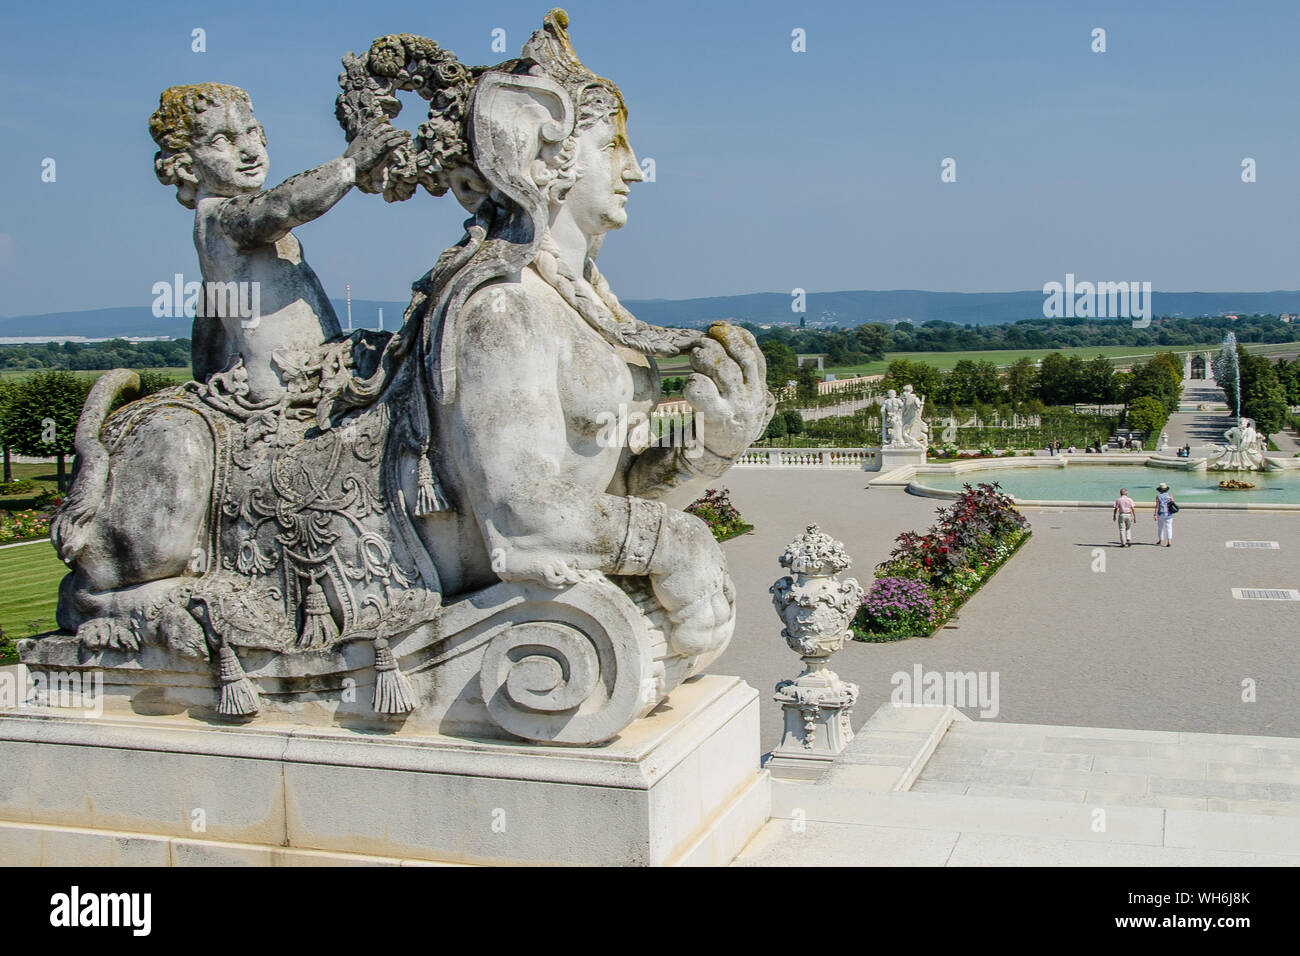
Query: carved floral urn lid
815, 553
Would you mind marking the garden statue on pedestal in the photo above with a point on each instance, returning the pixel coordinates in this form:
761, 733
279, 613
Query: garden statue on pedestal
891, 420
915, 432
433, 513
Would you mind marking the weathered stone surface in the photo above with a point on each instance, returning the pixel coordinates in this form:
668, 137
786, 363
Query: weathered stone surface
431, 526
682, 786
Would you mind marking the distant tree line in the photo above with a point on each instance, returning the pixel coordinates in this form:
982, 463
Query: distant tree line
82, 356
871, 341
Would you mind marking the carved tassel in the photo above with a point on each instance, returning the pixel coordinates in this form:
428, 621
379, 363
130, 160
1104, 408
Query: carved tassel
393, 691
238, 697
429, 497
318, 627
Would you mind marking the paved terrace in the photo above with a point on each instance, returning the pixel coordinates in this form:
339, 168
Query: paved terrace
1155, 641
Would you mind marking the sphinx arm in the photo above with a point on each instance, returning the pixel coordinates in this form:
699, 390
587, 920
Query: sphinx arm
674, 475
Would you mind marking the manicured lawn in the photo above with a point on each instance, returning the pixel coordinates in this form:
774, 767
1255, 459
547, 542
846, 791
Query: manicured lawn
45, 476
29, 590
946, 360
177, 372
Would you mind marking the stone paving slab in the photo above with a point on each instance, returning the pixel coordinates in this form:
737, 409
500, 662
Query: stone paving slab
939, 811
989, 849
1240, 832
1140, 648
836, 844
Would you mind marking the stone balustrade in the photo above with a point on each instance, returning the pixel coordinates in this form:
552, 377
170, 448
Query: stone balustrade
862, 458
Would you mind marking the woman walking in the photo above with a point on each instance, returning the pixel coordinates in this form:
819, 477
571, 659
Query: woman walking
1165, 508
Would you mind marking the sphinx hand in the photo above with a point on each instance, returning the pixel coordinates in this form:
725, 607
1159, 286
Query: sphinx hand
728, 391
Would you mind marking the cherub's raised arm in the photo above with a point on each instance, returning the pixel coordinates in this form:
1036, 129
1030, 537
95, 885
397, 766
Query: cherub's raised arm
266, 217
269, 216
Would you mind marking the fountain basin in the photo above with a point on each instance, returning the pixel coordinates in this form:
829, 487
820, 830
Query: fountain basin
1086, 482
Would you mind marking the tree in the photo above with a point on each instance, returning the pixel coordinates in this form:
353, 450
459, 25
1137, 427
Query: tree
807, 381
793, 422
42, 416
961, 383
1263, 397
924, 378
1154, 379
1058, 379
1099, 381
8, 389
782, 363
1147, 415
1021, 379
987, 382
777, 428
872, 340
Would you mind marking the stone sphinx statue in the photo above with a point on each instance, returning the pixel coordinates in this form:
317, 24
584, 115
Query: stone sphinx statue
428, 527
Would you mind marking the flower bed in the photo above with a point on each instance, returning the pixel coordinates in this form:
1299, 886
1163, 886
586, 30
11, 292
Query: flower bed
716, 510
952, 453
23, 525
929, 576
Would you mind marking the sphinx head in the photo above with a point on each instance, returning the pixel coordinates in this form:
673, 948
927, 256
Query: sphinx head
208, 142
564, 133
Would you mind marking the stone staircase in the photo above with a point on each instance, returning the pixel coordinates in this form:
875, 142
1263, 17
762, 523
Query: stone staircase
926, 786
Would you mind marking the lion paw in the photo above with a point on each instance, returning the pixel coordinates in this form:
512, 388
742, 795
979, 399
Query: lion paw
182, 633
104, 633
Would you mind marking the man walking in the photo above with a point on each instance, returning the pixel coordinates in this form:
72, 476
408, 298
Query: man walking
1123, 514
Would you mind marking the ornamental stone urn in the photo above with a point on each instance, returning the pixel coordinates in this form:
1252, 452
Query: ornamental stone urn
816, 608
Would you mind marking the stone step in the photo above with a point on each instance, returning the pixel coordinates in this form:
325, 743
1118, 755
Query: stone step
894, 746
1172, 770
941, 816
1024, 794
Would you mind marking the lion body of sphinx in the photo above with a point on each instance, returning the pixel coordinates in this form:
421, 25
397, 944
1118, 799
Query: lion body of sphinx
310, 564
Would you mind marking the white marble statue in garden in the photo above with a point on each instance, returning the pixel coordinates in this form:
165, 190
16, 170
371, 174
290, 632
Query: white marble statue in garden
915, 431
891, 420
434, 515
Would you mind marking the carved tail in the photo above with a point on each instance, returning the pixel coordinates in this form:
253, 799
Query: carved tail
91, 478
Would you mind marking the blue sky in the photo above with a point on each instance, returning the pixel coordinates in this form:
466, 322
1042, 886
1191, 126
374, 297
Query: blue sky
774, 169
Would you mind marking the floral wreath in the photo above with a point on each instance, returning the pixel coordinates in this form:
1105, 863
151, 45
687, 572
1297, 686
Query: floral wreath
413, 64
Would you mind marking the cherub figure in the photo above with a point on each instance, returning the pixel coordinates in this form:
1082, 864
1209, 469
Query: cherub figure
260, 296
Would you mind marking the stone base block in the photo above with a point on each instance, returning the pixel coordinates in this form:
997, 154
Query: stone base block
679, 787
891, 458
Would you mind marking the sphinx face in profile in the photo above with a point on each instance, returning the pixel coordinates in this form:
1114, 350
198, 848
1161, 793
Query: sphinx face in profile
606, 166
228, 150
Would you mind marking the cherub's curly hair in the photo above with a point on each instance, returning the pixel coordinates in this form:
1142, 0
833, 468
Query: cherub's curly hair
172, 128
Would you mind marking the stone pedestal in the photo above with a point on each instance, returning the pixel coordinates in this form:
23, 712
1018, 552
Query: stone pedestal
679, 787
898, 456
818, 709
